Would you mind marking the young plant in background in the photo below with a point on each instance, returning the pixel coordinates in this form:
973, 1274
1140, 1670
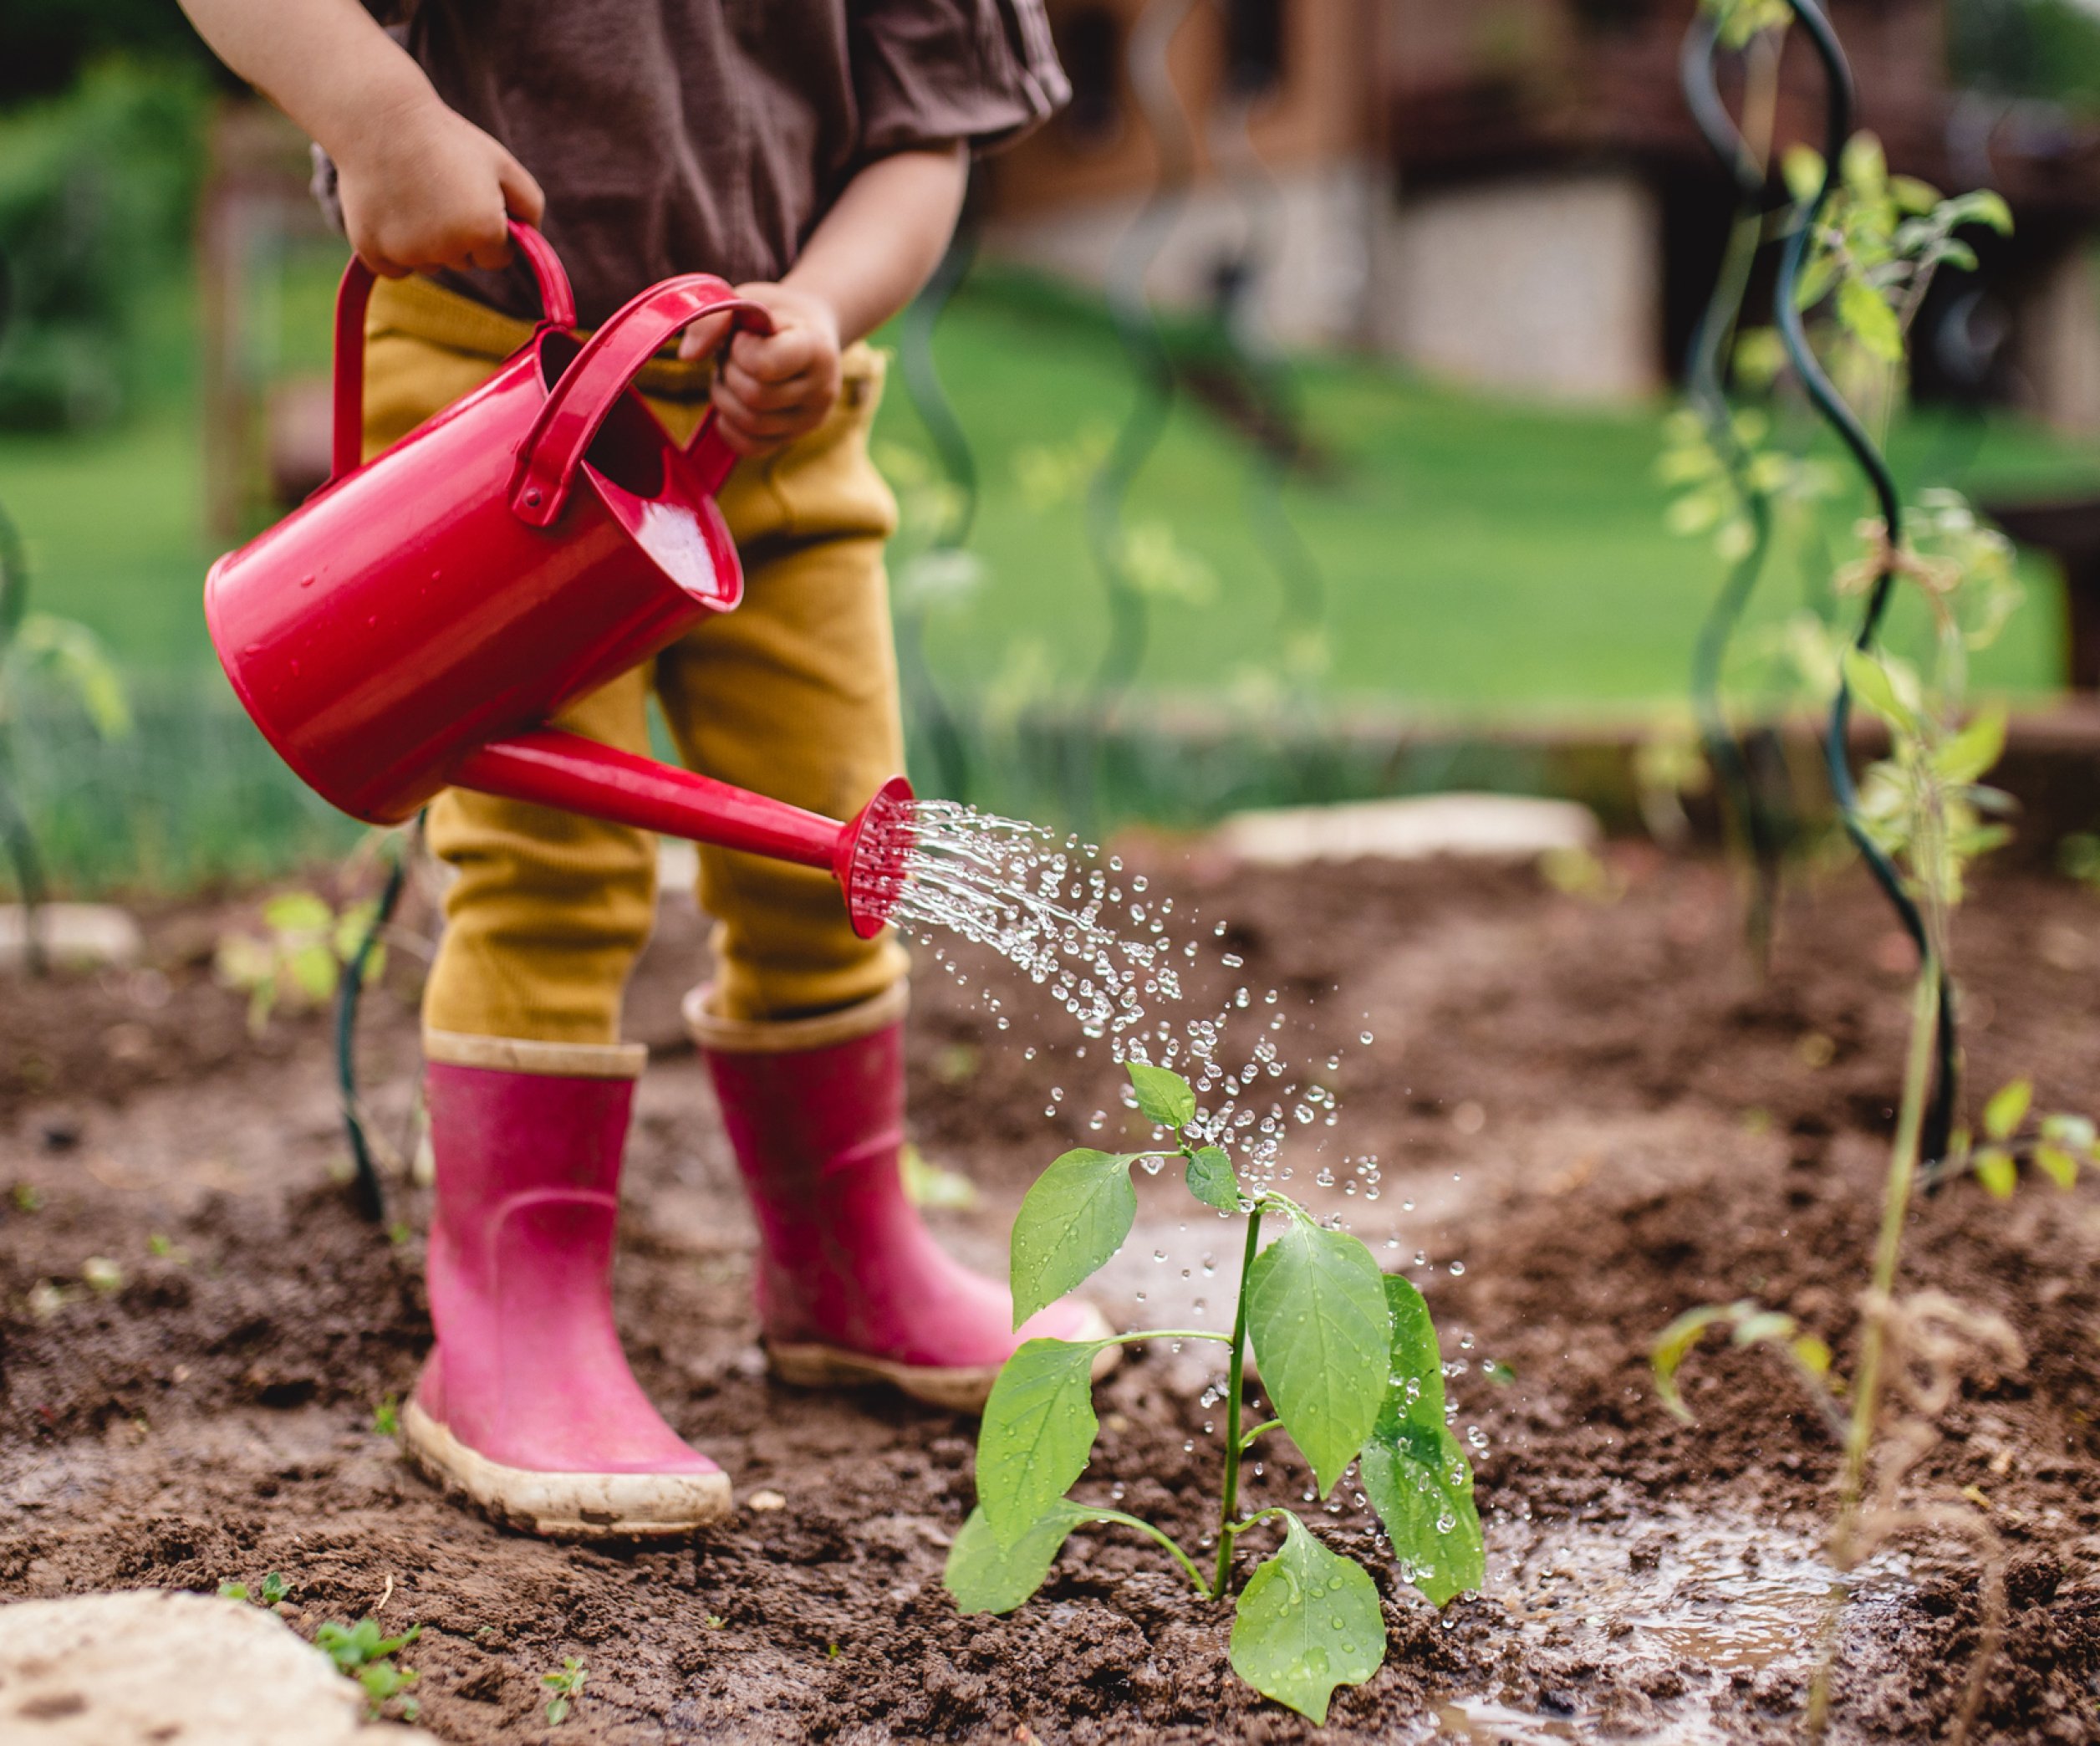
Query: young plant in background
1349, 1358
1868, 244
301, 959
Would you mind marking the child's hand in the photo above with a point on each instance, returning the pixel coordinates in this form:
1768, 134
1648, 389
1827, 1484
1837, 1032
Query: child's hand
771, 388
422, 187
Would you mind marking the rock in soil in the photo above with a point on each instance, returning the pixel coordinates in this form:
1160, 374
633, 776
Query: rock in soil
153, 1668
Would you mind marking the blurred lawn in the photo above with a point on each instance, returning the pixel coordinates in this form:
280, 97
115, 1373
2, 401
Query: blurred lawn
1477, 556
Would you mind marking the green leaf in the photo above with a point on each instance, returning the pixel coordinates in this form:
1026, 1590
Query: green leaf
1872, 684
1308, 1622
1802, 167
1966, 757
1671, 1347
1868, 318
1911, 195
1038, 1428
1164, 1095
1984, 207
1414, 1369
1211, 1179
1414, 1471
1996, 1171
297, 912
2075, 1133
1421, 1485
2057, 1165
2007, 1109
315, 970
1070, 1223
984, 1576
1316, 1308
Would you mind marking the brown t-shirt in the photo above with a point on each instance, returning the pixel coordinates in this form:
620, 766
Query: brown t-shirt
710, 135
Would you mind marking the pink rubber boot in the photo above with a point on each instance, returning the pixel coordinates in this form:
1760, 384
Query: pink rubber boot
526, 1402
851, 1287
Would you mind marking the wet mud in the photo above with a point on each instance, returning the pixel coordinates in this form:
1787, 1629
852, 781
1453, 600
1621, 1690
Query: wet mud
1587, 1114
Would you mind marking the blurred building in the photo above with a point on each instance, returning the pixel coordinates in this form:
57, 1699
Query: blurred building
1511, 192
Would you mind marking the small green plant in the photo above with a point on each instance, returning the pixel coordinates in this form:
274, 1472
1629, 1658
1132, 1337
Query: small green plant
361, 1652
386, 1417
1348, 1356
270, 1592
567, 1686
2058, 1145
300, 960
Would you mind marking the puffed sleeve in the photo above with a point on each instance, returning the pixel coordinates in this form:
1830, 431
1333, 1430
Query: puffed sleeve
929, 71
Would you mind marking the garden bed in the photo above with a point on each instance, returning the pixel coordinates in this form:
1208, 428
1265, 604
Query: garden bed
1599, 1117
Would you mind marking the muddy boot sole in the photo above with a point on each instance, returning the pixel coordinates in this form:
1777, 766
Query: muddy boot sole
952, 1389
564, 1506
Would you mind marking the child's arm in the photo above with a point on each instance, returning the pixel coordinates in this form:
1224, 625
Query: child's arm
864, 262
421, 186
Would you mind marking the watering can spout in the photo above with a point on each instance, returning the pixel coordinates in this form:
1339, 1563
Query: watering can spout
866, 854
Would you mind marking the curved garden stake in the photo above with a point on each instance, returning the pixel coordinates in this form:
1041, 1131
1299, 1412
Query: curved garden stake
928, 398
369, 1194
1838, 124
1761, 833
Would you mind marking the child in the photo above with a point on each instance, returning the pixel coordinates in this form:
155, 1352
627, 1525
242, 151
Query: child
816, 151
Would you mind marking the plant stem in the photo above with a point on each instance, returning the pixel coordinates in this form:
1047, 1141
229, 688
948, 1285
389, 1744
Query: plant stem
1866, 1401
1163, 1537
1236, 1393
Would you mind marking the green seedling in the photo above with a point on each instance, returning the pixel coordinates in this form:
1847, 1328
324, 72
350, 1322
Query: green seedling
386, 1417
361, 1652
567, 1686
2057, 1147
1925, 814
298, 960
28, 1197
269, 1594
1348, 1356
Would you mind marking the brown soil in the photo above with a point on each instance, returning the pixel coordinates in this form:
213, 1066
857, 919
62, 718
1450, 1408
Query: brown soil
1598, 1118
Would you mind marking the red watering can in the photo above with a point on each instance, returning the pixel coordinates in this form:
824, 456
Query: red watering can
413, 624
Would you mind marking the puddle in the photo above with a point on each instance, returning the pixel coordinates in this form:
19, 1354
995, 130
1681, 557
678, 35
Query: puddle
1658, 1628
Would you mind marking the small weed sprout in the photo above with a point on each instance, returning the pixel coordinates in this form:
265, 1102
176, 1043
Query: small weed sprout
361, 1652
299, 960
1347, 1357
267, 1594
386, 1417
567, 1686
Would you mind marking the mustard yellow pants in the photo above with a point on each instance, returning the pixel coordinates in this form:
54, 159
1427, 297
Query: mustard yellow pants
794, 695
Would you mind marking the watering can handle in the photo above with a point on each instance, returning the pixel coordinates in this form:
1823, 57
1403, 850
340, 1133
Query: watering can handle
347, 446
579, 403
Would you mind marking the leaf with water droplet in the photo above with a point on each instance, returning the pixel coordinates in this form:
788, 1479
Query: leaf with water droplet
1163, 1094
1414, 1470
1317, 1313
1290, 1649
1038, 1426
1211, 1179
1071, 1221
986, 1576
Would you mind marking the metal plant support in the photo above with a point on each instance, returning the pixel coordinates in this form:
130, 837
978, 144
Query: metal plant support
368, 1191
1746, 806
1837, 127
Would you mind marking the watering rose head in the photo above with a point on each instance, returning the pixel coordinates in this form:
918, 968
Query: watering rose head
872, 862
